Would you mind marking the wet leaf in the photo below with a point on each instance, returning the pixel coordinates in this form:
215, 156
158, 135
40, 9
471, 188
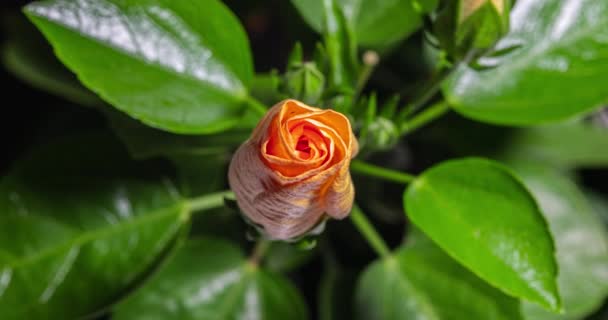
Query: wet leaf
422, 282
210, 279
77, 215
158, 61
554, 73
482, 216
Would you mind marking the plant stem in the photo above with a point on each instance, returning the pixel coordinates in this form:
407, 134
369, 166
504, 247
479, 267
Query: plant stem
427, 93
433, 86
259, 250
380, 172
255, 105
370, 61
208, 201
424, 117
369, 232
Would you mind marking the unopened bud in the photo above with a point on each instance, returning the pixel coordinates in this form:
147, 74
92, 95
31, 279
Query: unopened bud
382, 134
465, 26
305, 83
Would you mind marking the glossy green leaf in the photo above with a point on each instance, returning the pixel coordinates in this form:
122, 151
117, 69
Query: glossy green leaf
210, 279
27, 57
566, 145
422, 282
376, 23
581, 243
80, 225
553, 75
481, 215
145, 142
183, 66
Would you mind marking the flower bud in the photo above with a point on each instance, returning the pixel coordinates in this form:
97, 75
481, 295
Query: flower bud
293, 172
465, 26
305, 82
382, 134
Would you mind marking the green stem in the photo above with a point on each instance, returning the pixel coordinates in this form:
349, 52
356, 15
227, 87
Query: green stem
433, 112
370, 61
369, 232
255, 105
260, 249
427, 93
208, 201
433, 86
380, 172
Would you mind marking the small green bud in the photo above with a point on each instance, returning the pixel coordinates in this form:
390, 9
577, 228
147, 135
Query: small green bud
295, 56
305, 83
319, 57
465, 26
381, 134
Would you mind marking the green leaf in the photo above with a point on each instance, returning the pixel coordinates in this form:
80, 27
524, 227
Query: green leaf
200, 174
182, 66
599, 202
422, 282
340, 45
565, 146
283, 256
265, 87
465, 30
483, 217
145, 142
376, 23
27, 57
210, 279
80, 225
581, 243
200, 161
565, 47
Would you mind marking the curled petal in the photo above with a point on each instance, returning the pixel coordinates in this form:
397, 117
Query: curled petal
293, 171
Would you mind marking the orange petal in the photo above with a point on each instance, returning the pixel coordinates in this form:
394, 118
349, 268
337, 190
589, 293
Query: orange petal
285, 211
294, 169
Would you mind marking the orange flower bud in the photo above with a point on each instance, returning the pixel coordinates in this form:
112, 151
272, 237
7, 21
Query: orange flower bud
293, 171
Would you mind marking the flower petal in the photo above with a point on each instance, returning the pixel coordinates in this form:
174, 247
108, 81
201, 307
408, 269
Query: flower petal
294, 170
284, 211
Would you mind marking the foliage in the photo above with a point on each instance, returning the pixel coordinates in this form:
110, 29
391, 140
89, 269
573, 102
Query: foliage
486, 214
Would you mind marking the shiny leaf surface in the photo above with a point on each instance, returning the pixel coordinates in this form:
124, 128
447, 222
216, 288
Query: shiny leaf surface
183, 66
581, 243
422, 282
210, 279
77, 215
376, 23
552, 76
483, 217
31, 60
565, 145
